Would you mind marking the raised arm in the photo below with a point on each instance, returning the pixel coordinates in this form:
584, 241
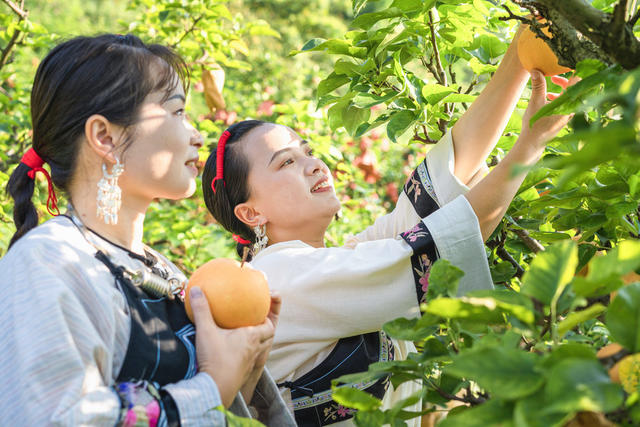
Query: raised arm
491, 197
477, 132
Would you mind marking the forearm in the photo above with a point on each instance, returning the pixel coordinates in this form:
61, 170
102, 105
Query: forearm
477, 132
491, 197
249, 387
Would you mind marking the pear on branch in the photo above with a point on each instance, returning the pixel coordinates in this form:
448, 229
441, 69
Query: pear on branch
213, 82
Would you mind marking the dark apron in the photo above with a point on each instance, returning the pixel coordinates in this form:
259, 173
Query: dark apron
161, 345
311, 393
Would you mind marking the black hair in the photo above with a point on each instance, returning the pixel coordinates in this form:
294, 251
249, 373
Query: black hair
234, 189
110, 75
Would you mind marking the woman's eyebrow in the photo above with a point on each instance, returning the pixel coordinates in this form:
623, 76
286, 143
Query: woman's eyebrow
176, 96
277, 153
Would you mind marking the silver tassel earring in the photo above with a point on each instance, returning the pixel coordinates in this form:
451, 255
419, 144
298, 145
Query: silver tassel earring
261, 238
109, 194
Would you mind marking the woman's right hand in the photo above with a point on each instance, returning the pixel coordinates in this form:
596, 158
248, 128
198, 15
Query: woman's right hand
227, 355
545, 128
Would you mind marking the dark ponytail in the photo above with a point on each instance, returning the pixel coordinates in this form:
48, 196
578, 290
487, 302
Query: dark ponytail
234, 188
110, 75
20, 188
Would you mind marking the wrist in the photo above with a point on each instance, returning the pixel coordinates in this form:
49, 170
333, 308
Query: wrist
228, 386
511, 63
527, 150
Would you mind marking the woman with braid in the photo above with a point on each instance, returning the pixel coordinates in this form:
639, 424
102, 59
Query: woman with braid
94, 329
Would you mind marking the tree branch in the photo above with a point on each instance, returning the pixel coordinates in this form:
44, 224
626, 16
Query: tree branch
187, 32
529, 241
581, 31
16, 9
4, 56
506, 256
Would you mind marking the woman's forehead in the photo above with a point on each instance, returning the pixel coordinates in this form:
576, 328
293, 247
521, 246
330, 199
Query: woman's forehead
272, 137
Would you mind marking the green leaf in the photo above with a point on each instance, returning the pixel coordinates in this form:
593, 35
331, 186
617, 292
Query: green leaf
605, 271
623, 317
567, 351
577, 317
505, 372
588, 67
331, 83
459, 97
399, 123
234, 420
512, 303
354, 398
336, 113
482, 311
412, 5
550, 272
527, 413
494, 412
333, 46
434, 92
368, 100
444, 278
354, 117
408, 329
580, 385
367, 20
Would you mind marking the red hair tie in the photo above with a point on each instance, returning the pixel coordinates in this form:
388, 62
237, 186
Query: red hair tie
35, 163
240, 240
220, 160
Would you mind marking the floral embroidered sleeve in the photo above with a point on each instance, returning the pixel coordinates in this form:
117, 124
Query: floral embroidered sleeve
420, 191
424, 254
142, 405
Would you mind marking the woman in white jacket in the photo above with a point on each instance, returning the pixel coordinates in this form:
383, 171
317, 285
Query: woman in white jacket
264, 184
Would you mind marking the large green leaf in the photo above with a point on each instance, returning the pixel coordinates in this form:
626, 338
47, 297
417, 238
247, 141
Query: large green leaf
400, 122
576, 317
435, 93
605, 271
331, 83
494, 412
354, 398
506, 373
580, 385
444, 278
333, 46
623, 317
550, 272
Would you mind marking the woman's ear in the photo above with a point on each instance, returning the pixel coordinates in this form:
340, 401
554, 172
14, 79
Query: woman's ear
248, 215
102, 136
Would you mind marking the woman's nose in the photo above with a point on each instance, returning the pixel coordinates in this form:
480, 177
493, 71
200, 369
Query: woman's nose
316, 165
197, 139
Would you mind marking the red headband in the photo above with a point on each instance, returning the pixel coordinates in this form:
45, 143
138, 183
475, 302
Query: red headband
240, 240
220, 159
35, 163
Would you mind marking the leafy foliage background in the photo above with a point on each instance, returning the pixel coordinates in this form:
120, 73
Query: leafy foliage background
371, 84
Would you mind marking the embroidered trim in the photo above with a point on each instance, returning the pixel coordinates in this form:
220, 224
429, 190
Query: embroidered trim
139, 404
386, 354
425, 253
418, 183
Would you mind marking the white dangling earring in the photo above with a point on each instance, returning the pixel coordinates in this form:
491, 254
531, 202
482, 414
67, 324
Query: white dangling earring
109, 194
261, 238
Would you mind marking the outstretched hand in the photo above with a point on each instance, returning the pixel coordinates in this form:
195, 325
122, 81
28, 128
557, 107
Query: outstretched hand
545, 128
230, 356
